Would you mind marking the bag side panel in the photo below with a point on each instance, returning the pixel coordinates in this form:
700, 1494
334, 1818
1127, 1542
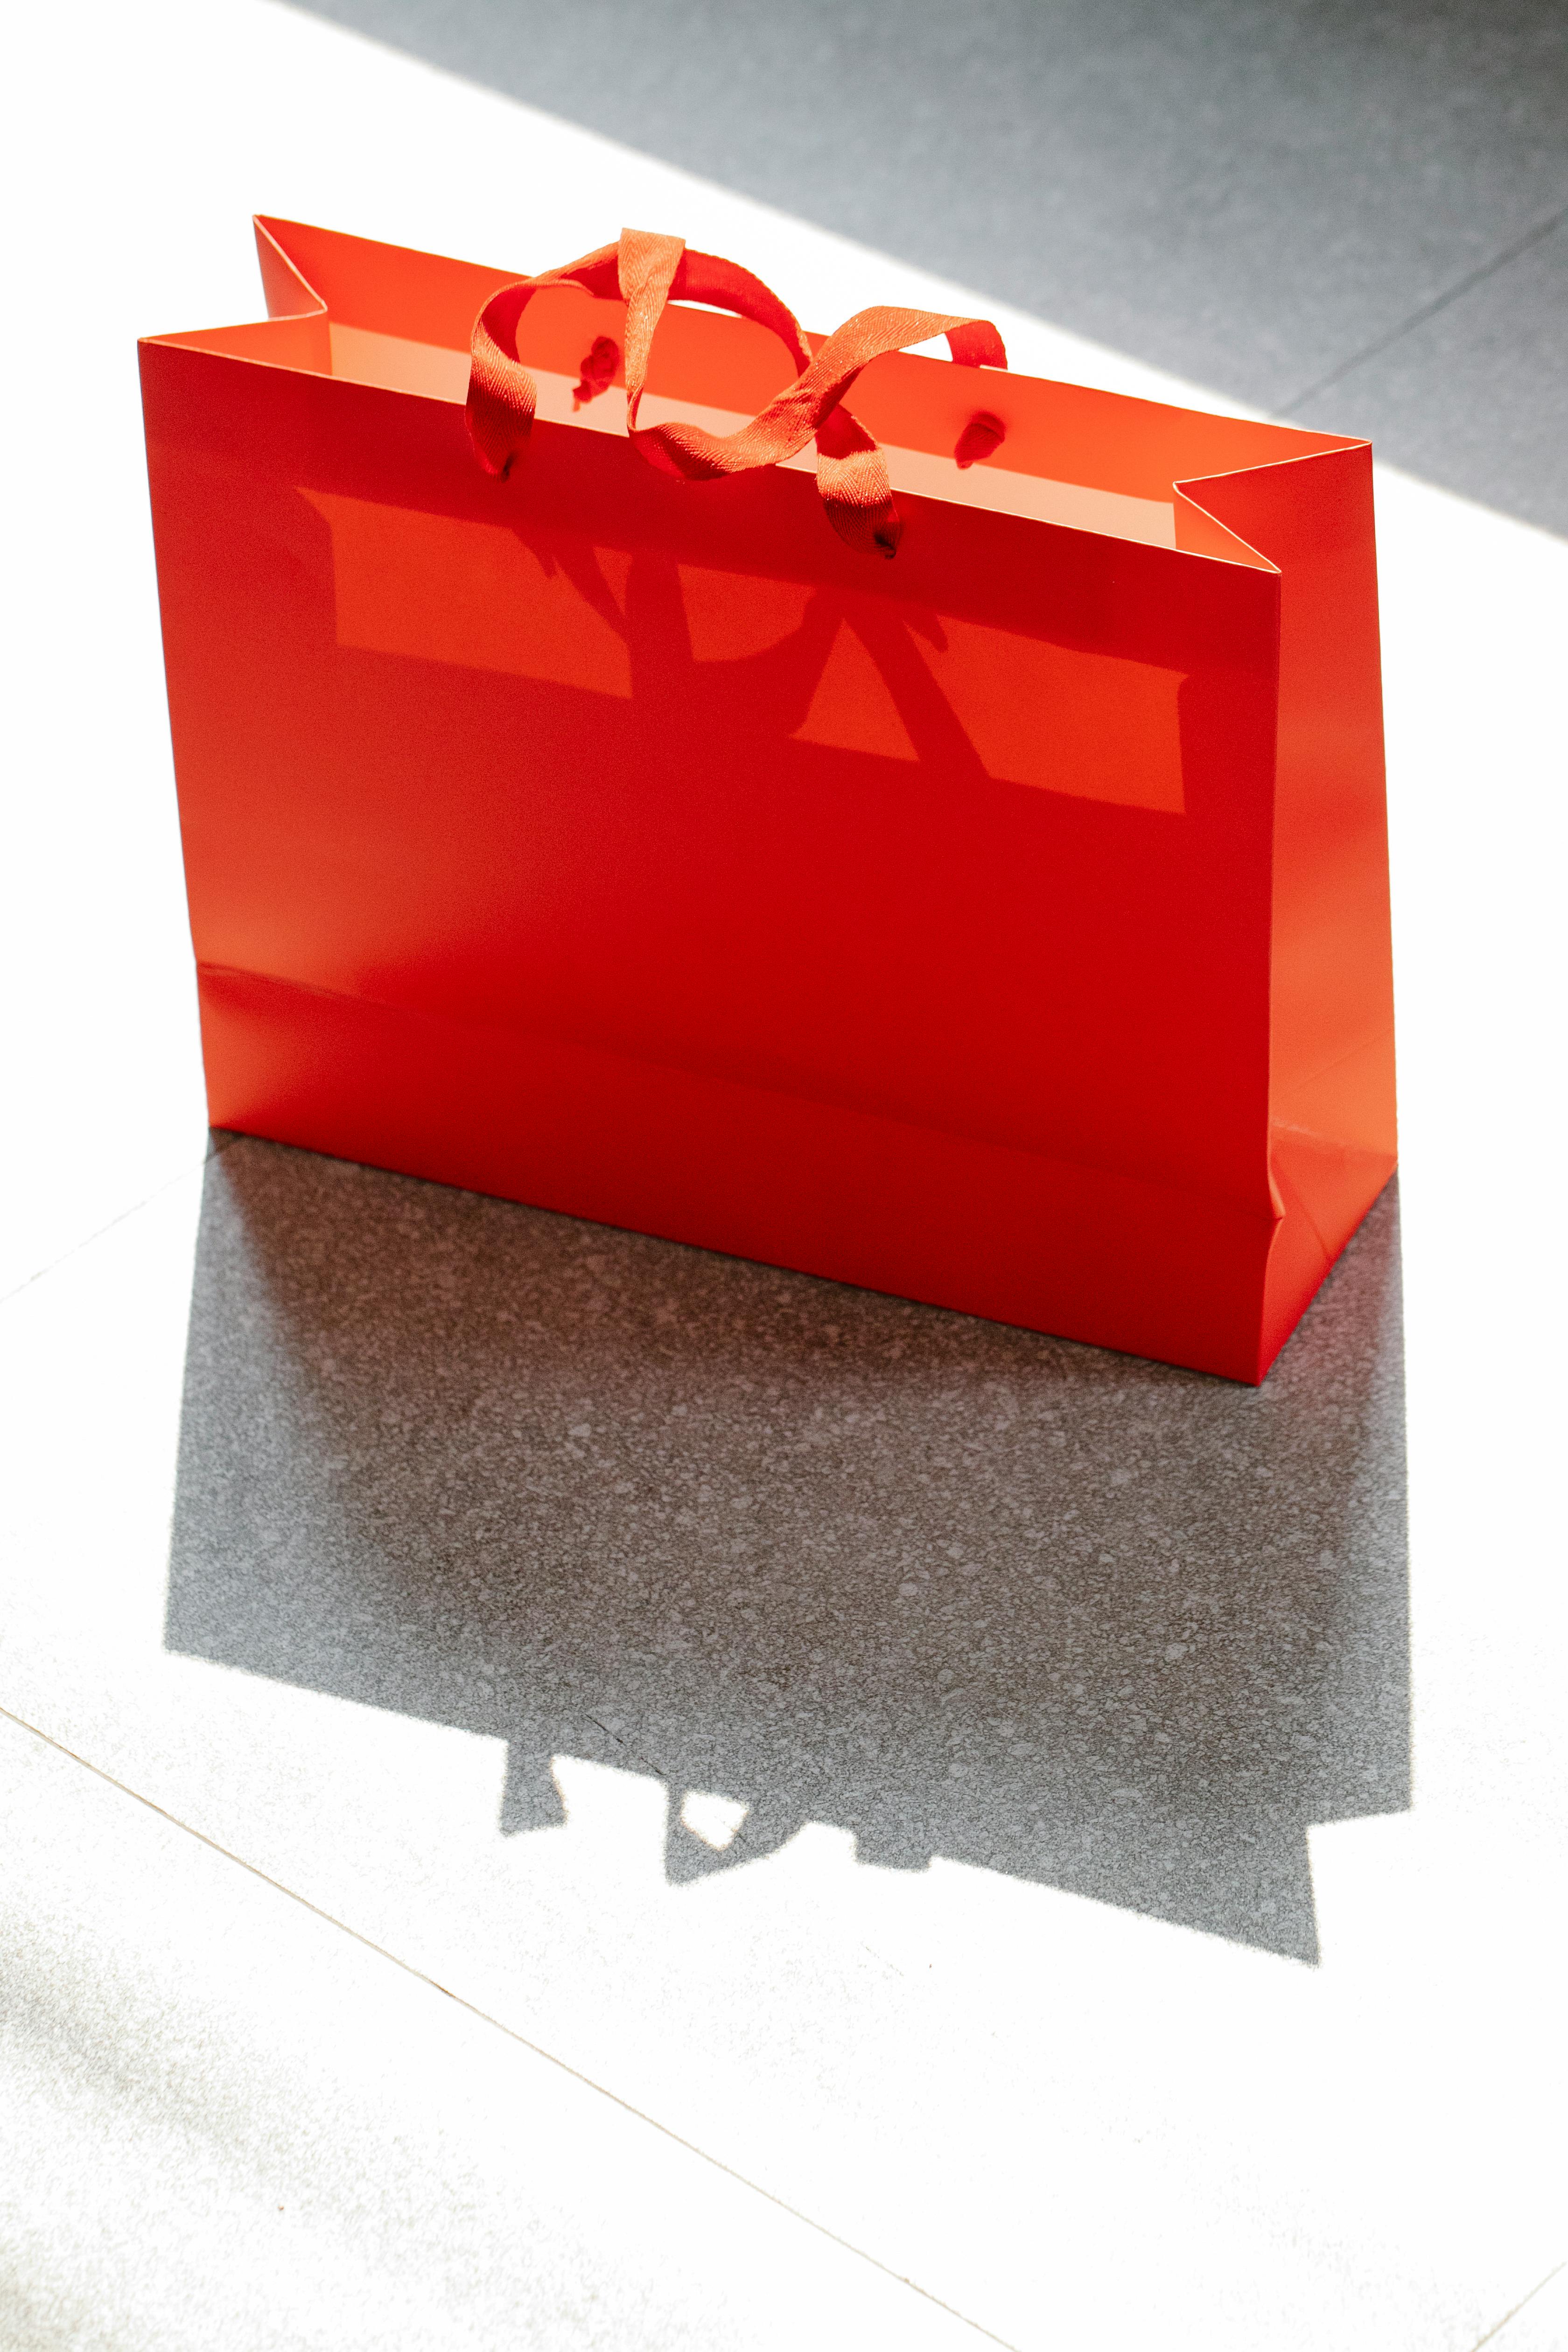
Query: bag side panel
1332, 1106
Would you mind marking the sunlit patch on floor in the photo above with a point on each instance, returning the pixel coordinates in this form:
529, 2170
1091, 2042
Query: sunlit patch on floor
716, 1820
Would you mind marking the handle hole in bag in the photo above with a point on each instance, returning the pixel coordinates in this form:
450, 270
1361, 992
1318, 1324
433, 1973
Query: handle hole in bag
982, 435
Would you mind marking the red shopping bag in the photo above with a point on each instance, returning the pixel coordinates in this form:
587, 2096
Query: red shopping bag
579, 805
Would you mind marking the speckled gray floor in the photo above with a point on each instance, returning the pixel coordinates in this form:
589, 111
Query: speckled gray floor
1352, 215
965, 1590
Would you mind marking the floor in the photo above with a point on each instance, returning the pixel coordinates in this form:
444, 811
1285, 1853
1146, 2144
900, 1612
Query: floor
1355, 217
917, 1833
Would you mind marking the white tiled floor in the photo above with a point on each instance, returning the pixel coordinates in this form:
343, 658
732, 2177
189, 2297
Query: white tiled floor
228, 2121
1539, 2325
237, 2107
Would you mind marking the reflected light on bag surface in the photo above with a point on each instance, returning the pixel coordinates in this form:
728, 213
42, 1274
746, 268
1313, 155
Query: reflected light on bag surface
443, 588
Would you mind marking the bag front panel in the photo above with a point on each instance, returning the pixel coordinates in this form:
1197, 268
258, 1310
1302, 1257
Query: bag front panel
977, 841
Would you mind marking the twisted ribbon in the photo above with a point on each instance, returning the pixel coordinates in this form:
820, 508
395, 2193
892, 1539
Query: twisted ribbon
646, 271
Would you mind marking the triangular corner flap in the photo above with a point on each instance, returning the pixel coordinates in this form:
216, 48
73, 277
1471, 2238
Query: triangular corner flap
290, 293
387, 290
1235, 513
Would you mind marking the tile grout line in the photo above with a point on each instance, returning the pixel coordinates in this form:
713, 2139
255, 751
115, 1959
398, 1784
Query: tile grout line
87, 1240
1428, 310
1510, 2315
486, 2017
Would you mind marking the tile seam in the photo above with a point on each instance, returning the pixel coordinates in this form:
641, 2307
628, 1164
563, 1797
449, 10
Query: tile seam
487, 2017
215, 1148
1509, 2316
1419, 318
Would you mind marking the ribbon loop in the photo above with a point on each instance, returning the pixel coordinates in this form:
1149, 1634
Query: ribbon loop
646, 271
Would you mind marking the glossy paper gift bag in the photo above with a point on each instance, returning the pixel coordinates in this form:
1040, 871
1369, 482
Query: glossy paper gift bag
1004, 924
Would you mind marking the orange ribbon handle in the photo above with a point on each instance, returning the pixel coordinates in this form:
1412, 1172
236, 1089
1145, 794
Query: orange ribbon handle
646, 271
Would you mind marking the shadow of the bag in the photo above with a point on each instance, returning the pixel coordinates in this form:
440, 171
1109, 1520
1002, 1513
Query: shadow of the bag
805, 1553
